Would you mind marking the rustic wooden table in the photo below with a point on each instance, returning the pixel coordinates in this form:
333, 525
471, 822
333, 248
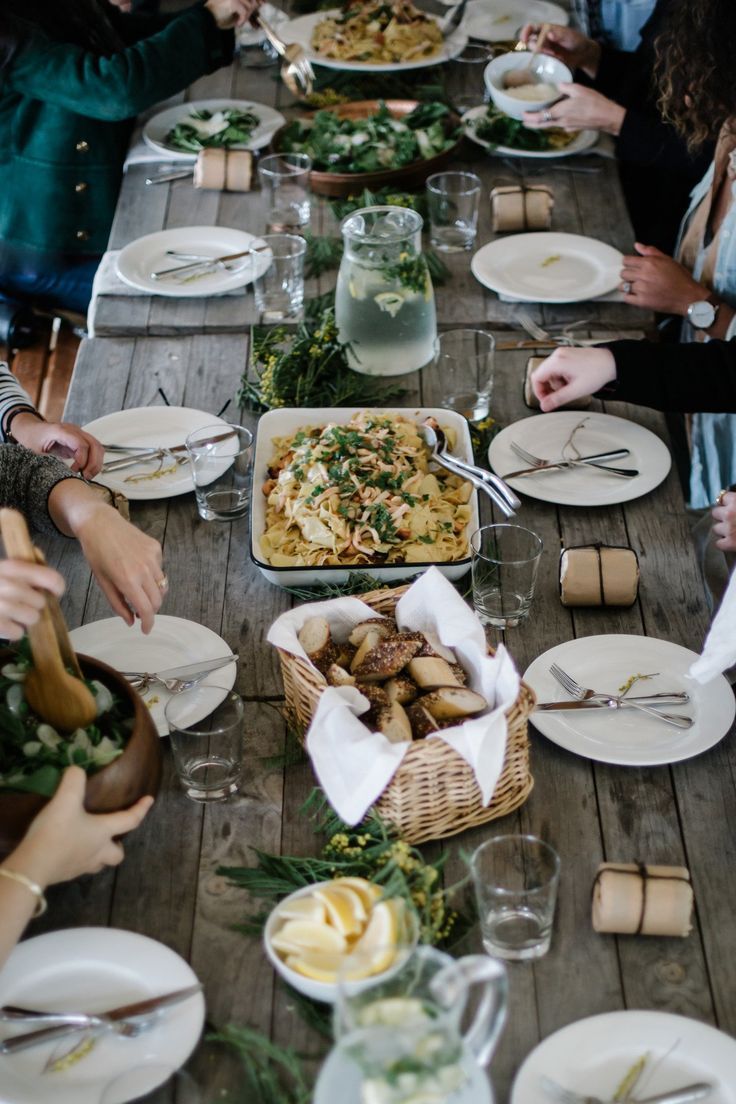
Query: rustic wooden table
168, 889
585, 203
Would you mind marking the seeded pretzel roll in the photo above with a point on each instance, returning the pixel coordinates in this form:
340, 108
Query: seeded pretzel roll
314, 637
451, 702
401, 689
386, 660
338, 676
421, 720
371, 639
394, 723
386, 626
430, 672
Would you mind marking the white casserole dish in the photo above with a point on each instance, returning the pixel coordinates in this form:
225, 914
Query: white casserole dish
282, 423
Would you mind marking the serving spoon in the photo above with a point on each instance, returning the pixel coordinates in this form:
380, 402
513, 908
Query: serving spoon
498, 491
60, 698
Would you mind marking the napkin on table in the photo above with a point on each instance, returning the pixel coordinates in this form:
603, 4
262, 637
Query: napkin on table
354, 765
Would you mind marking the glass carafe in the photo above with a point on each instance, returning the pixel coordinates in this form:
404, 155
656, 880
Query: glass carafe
384, 302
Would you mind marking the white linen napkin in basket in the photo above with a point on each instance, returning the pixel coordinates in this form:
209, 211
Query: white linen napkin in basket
719, 650
353, 764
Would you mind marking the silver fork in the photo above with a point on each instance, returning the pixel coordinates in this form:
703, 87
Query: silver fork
580, 693
537, 462
536, 332
173, 685
688, 1094
296, 69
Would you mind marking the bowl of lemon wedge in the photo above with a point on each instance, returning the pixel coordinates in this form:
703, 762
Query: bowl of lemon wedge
343, 930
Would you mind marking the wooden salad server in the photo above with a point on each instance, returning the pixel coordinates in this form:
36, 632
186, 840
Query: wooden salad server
59, 698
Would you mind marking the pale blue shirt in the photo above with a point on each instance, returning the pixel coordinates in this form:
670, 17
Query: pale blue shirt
622, 21
713, 460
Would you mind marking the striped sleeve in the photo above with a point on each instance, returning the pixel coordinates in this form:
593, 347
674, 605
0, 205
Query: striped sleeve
12, 396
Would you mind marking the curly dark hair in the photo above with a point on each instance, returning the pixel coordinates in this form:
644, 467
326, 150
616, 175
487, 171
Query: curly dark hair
694, 69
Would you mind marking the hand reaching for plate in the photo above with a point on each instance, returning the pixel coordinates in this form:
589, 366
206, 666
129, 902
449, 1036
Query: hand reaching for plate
566, 44
570, 374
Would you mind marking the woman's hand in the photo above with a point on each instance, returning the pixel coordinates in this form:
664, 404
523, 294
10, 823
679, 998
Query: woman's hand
724, 516
582, 109
65, 840
124, 5
653, 280
126, 564
567, 45
570, 374
22, 597
232, 13
59, 439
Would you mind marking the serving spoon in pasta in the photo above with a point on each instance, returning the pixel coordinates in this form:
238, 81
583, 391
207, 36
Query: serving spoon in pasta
499, 492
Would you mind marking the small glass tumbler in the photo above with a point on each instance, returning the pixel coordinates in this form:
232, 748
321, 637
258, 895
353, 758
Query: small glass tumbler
220, 456
206, 730
284, 181
505, 560
516, 880
453, 200
466, 86
279, 289
464, 359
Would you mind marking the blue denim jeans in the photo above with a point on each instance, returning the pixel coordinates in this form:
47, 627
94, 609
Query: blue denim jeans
47, 279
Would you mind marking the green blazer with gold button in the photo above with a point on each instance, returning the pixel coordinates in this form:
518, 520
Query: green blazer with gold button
65, 122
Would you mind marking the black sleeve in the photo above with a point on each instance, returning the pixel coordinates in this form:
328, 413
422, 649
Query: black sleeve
688, 378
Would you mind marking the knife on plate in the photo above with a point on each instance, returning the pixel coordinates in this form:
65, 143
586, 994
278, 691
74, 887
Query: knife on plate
654, 699
597, 460
150, 454
100, 1019
189, 670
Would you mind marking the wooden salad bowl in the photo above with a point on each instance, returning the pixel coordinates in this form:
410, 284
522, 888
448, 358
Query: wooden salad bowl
336, 185
132, 775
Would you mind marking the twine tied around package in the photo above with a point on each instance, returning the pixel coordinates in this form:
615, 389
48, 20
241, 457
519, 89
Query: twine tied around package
525, 191
646, 876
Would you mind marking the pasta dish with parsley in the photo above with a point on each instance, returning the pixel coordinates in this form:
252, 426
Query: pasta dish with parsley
362, 493
378, 32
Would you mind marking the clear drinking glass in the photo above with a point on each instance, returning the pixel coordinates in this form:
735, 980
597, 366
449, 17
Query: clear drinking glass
284, 181
206, 730
505, 560
220, 456
279, 289
453, 200
466, 86
465, 362
516, 879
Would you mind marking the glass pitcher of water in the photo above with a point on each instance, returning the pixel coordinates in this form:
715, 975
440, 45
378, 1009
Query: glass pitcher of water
384, 302
400, 1040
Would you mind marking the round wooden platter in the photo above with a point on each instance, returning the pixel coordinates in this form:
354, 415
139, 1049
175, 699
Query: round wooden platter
337, 185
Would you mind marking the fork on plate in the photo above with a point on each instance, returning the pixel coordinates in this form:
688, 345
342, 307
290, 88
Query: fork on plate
535, 331
537, 462
581, 693
688, 1094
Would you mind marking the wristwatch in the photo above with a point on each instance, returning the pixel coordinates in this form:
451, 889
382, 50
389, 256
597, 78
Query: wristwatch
702, 314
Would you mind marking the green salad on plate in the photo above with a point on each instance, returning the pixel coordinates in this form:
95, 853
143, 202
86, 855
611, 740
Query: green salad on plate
213, 130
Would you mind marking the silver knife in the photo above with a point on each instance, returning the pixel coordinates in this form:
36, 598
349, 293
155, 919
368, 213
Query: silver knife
594, 461
658, 699
189, 670
125, 1012
177, 269
140, 457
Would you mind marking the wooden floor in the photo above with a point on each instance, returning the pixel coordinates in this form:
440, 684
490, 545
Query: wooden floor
45, 368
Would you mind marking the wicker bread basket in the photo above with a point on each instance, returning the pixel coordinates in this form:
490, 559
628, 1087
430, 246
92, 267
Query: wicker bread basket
434, 793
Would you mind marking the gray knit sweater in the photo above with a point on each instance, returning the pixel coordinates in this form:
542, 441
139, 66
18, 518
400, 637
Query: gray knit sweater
27, 480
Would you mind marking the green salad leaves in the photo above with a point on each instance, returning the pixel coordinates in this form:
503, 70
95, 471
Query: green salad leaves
371, 144
213, 130
502, 130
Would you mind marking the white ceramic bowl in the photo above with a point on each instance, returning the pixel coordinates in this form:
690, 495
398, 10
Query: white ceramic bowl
323, 991
547, 69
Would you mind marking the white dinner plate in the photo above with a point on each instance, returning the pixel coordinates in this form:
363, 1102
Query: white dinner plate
545, 434
548, 267
594, 1055
501, 20
339, 1081
155, 426
583, 140
300, 31
137, 260
172, 642
156, 129
629, 737
92, 970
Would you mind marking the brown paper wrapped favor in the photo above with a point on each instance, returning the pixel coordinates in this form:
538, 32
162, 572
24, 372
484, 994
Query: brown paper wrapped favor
638, 899
531, 399
518, 207
224, 170
599, 575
